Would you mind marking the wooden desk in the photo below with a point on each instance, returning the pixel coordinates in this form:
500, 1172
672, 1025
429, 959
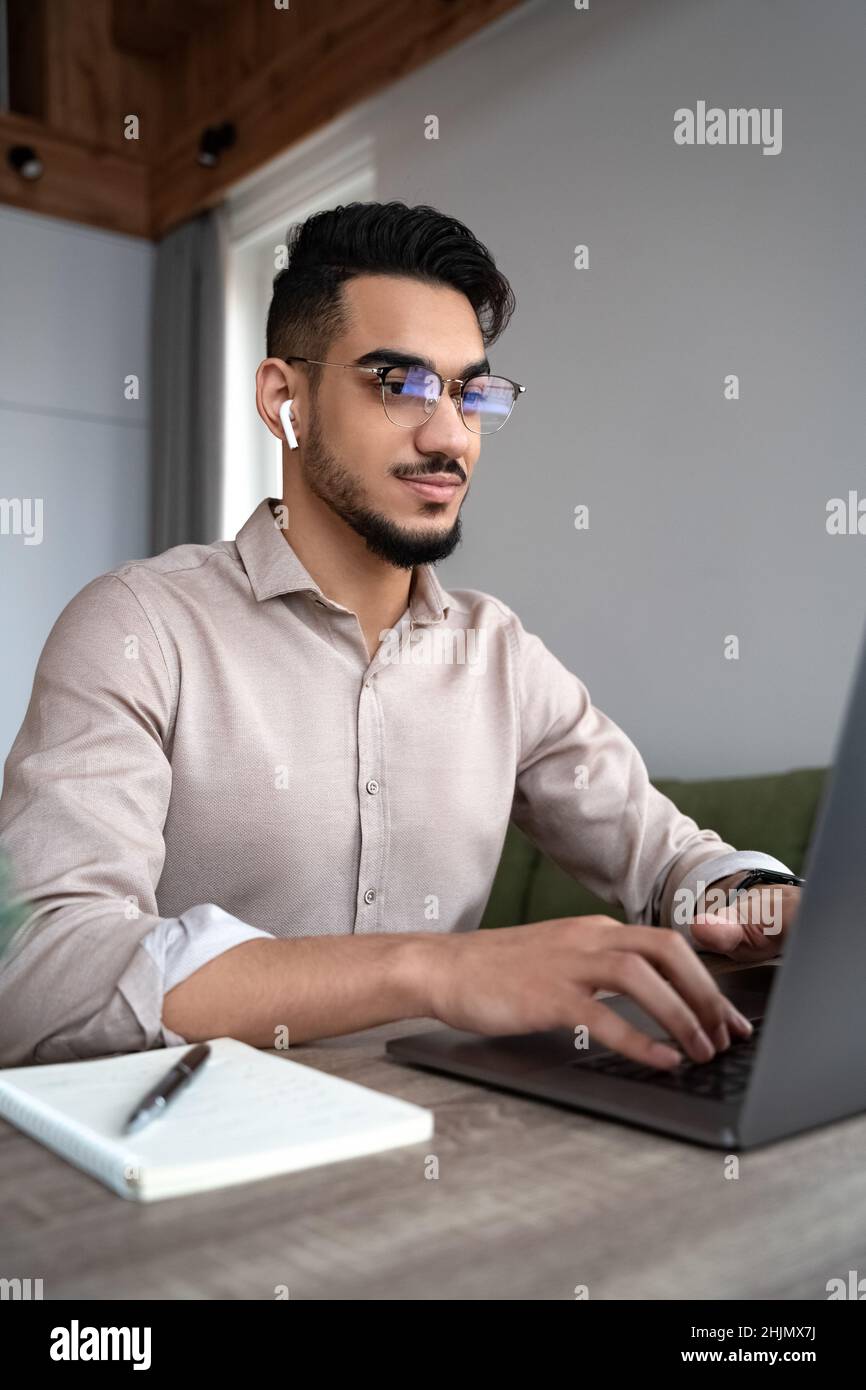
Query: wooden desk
531, 1200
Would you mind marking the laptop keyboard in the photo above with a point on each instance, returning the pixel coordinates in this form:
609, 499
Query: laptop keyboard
724, 1077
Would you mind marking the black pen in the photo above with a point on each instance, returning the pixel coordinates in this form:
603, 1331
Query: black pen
164, 1091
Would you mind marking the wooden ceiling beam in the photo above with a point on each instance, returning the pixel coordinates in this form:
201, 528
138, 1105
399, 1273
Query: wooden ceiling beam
153, 28
86, 185
181, 65
320, 72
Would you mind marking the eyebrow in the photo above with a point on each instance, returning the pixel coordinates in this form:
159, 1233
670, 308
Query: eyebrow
393, 357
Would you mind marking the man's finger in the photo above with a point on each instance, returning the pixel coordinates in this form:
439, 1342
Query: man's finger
718, 931
612, 1031
683, 967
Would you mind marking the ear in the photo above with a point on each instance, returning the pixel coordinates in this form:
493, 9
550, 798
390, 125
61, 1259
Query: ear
275, 381
286, 419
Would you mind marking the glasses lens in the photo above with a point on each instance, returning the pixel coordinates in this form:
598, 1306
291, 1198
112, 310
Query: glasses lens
412, 393
487, 403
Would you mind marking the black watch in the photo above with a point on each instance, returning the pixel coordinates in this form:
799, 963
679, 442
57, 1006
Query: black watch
768, 876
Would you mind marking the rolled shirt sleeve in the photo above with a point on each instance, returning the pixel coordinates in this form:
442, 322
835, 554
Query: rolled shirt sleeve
86, 791
181, 945
583, 796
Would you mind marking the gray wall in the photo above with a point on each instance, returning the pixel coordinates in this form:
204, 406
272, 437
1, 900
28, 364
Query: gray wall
707, 517
74, 324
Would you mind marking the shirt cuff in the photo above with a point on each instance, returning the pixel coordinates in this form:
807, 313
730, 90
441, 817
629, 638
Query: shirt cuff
181, 945
708, 871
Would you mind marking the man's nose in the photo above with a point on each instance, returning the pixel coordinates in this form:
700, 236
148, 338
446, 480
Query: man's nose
445, 432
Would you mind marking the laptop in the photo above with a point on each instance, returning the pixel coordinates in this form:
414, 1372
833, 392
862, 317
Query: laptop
805, 1063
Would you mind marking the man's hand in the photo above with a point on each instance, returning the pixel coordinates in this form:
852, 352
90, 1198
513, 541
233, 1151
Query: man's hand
545, 975
752, 928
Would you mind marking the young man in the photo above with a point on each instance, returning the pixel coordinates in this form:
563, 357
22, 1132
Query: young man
262, 785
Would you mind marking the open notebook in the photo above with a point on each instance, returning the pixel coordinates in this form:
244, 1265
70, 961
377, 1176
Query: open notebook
248, 1114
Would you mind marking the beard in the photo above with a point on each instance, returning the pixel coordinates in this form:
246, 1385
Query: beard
326, 477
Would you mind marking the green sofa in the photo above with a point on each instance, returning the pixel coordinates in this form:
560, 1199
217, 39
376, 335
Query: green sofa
774, 813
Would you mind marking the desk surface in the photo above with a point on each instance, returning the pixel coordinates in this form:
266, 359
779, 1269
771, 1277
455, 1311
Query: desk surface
531, 1200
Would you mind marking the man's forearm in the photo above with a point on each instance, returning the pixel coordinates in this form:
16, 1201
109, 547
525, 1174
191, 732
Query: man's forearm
315, 987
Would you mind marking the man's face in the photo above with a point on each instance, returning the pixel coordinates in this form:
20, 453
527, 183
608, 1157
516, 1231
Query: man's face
355, 459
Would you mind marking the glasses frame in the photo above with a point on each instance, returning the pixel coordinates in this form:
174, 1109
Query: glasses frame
381, 373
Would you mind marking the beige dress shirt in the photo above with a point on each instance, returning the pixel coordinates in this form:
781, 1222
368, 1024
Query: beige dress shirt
209, 755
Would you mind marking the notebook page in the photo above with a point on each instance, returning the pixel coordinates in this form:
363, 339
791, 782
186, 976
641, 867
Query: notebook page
243, 1102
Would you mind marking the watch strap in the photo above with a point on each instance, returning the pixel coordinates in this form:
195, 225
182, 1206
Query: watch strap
768, 876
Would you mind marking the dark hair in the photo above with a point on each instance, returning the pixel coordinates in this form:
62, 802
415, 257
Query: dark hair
307, 309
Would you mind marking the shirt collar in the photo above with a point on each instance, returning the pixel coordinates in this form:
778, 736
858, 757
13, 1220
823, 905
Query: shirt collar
273, 568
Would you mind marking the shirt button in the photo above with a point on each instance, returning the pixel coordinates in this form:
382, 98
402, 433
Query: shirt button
370, 895
372, 786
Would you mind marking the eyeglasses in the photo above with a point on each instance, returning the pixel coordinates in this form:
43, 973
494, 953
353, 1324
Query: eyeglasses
411, 394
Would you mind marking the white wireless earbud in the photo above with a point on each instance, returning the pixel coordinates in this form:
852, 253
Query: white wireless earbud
286, 418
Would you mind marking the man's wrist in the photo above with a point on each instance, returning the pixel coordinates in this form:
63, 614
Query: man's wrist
719, 886
418, 959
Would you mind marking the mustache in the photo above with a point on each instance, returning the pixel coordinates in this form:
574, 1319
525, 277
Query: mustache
427, 470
